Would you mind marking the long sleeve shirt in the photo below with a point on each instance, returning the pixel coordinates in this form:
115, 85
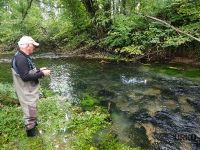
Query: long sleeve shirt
24, 64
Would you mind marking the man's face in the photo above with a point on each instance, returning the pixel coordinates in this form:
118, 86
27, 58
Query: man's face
31, 48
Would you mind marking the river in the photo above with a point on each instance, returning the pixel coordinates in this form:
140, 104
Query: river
152, 106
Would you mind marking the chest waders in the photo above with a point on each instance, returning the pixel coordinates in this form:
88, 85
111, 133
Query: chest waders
28, 95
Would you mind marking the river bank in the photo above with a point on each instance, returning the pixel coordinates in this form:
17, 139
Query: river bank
179, 66
105, 57
61, 125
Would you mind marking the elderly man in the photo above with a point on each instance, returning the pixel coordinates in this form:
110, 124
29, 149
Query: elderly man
25, 78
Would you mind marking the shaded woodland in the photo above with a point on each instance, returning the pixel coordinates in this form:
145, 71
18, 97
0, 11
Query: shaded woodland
150, 30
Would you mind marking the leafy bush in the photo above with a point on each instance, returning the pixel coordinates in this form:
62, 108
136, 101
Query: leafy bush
119, 36
131, 50
88, 102
7, 94
11, 125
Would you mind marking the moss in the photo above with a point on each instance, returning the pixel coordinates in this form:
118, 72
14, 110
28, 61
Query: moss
171, 72
167, 70
192, 73
88, 102
180, 71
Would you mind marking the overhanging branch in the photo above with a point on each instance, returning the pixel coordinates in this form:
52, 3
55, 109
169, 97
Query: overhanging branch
26, 12
171, 26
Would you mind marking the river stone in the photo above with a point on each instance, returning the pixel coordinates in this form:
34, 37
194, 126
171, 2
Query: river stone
170, 104
152, 92
195, 104
121, 126
126, 107
152, 107
150, 130
144, 68
136, 134
185, 146
106, 93
185, 107
136, 97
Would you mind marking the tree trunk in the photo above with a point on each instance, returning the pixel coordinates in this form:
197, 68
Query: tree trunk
124, 7
90, 7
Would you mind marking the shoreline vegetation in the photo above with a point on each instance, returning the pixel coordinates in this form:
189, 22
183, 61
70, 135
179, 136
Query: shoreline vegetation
105, 57
61, 125
149, 31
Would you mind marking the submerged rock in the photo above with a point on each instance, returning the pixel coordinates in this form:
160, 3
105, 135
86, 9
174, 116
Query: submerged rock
152, 92
170, 104
195, 104
136, 134
106, 93
150, 131
173, 126
184, 105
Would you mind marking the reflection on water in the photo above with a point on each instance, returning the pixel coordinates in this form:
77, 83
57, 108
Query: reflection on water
151, 110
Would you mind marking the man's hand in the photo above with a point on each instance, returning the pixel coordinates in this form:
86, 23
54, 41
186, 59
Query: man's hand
43, 68
46, 72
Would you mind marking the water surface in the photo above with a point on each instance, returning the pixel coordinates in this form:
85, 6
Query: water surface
155, 107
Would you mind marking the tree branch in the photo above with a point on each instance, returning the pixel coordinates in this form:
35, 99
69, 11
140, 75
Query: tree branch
26, 12
169, 25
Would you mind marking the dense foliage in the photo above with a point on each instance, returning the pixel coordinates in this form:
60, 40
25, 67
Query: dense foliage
122, 27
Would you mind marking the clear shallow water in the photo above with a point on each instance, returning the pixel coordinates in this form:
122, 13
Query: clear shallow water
149, 109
